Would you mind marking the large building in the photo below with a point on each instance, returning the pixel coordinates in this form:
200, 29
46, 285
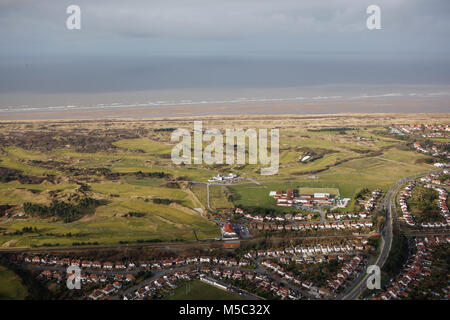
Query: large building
291, 197
223, 178
228, 230
231, 244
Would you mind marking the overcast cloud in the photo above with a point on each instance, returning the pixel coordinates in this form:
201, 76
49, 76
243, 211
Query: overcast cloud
171, 44
232, 26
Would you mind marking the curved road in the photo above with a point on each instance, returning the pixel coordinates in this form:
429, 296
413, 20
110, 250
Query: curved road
386, 235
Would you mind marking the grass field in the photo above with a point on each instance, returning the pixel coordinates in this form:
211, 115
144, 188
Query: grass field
348, 177
147, 145
11, 287
331, 191
350, 161
108, 224
200, 193
197, 290
218, 198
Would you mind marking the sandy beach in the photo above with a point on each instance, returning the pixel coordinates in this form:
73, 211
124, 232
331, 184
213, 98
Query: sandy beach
375, 105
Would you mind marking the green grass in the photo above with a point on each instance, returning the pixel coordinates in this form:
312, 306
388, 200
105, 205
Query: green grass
348, 177
218, 198
145, 182
11, 287
24, 154
14, 163
197, 290
147, 145
445, 140
423, 205
15, 158
109, 231
200, 193
107, 225
306, 190
134, 190
252, 195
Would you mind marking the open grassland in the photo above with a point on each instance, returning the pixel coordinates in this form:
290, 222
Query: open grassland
331, 191
200, 193
146, 145
348, 177
131, 154
110, 224
11, 287
197, 290
109, 231
218, 197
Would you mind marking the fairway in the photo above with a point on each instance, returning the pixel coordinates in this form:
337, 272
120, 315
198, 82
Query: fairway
224, 154
218, 197
197, 290
136, 175
345, 179
11, 287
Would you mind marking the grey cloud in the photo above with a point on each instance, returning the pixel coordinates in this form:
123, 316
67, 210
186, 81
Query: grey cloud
121, 44
223, 20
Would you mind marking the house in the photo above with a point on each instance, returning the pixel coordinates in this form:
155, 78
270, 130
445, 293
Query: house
93, 277
324, 292
129, 278
192, 260
167, 263
205, 259
36, 259
108, 289
86, 264
96, 294
47, 274
232, 262
141, 292
228, 230
75, 263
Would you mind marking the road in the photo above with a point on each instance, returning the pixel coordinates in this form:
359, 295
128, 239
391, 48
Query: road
389, 207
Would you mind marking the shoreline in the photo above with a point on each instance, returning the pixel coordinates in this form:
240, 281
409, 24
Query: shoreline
436, 116
379, 107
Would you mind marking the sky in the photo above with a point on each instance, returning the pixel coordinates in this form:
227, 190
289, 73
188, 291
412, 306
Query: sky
139, 45
142, 27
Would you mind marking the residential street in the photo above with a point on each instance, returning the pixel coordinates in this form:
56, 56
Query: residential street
389, 206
